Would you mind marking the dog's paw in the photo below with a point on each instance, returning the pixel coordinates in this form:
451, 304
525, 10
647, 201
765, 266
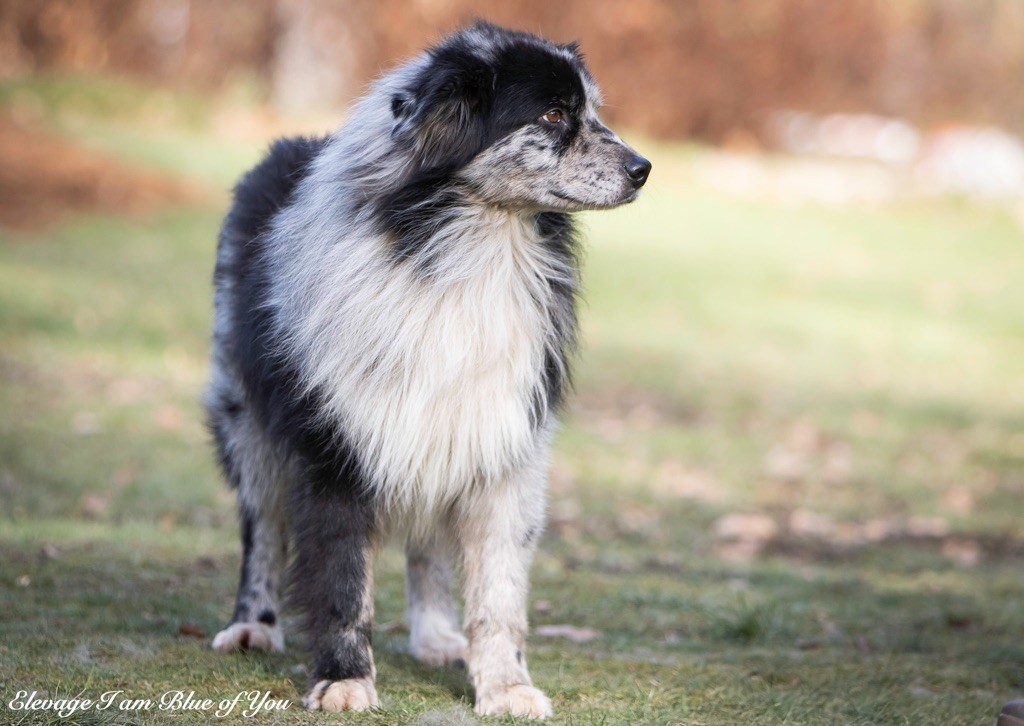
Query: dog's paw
440, 648
352, 694
250, 636
521, 700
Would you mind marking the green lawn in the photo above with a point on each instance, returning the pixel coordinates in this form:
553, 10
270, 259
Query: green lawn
861, 369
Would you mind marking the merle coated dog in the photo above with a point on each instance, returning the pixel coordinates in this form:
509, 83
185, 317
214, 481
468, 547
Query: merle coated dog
395, 319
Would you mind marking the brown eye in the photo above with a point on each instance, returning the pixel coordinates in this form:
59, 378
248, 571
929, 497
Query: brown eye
553, 116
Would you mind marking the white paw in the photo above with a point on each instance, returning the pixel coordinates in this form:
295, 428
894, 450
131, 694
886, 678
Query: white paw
521, 700
250, 636
352, 694
440, 648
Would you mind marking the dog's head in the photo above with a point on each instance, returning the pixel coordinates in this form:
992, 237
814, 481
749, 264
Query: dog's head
515, 118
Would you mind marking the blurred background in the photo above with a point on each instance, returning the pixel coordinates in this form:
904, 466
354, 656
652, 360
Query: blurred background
790, 482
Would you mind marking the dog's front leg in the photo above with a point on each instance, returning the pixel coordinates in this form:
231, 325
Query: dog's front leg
498, 530
332, 583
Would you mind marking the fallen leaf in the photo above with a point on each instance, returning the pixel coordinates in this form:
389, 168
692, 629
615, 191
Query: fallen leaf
805, 523
964, 552
739, 551
784, 464
636, 519
745, 526
191, 630
838, 463
927, 527
93, 506
168, 417
576, 635
124, 475
675, 479
877, 530
958, 499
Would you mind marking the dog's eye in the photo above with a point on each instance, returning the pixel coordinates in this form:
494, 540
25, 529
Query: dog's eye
553, 116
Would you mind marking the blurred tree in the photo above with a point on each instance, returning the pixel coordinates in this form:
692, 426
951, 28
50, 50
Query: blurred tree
317, 53
676, 68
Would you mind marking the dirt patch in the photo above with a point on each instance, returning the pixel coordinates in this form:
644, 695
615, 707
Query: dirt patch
815, 537
44, 179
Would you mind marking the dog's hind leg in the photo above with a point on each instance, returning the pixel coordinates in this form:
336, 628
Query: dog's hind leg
498, 528
259, 474
434, 634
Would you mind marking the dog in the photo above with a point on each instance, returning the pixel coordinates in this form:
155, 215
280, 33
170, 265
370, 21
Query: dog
395, 322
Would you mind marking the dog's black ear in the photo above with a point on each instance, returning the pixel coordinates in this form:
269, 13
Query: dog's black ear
443, 114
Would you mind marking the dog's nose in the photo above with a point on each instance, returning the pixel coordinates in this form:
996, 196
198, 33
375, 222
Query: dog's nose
637, 169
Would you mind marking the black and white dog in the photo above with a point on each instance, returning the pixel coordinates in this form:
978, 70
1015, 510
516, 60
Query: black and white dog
394, 321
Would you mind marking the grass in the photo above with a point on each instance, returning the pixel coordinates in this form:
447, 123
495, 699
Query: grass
875, 353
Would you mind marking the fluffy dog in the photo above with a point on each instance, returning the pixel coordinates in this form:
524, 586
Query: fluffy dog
395, 317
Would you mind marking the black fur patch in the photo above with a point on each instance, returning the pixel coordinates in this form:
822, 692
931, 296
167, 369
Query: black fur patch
271, 381
241, 613
559, 234
334, 531
218, 411
415, 211
261, 193
268, 187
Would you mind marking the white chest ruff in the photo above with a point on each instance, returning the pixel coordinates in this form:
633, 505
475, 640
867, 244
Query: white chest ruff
433, 378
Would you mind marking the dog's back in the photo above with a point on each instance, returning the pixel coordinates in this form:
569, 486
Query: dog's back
244, 362
267, 187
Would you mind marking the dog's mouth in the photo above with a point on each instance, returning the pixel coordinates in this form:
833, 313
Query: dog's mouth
582, 204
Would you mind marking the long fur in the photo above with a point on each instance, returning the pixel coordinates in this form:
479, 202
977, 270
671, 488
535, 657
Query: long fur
395, 322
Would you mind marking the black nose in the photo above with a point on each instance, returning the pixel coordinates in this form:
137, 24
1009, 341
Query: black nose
637, 169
